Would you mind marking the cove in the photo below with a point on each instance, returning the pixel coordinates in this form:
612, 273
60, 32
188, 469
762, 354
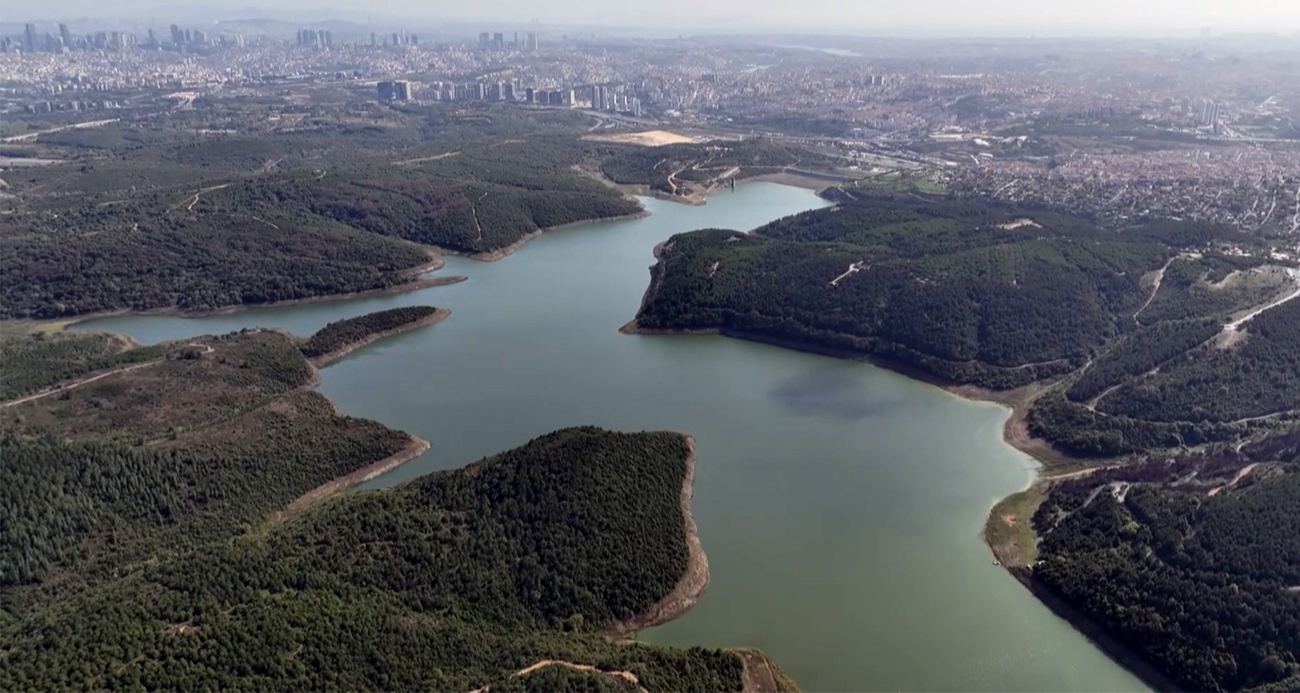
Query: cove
839, 504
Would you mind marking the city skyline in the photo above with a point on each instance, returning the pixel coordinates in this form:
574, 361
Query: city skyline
1001, 18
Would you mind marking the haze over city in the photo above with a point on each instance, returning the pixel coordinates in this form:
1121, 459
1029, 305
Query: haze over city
928, 18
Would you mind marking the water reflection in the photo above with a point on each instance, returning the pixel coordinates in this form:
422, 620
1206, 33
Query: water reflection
830, 391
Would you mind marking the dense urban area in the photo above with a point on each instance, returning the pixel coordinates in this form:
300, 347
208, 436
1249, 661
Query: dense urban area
1103, 235
1197, 129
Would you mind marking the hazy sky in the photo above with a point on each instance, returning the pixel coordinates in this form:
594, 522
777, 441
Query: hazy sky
876, 17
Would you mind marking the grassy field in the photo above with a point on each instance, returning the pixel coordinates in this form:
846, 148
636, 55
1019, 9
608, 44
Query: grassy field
1009, 531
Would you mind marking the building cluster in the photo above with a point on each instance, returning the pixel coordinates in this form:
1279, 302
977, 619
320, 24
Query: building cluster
496, 41
395, 90
1047, 123
396, 38
1253, 188
33, 40
315, 38
598, 97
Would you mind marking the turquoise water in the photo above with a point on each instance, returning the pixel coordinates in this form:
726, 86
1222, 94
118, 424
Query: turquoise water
840, 504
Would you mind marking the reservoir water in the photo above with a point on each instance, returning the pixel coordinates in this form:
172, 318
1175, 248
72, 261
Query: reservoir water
840, 504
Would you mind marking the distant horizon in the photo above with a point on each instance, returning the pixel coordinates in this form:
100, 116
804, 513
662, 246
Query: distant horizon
1000, 19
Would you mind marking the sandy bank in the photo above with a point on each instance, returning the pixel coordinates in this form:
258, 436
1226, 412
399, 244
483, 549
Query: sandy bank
326, 359
415, 447
694, 580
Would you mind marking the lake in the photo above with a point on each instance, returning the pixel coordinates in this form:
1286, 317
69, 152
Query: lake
840, 504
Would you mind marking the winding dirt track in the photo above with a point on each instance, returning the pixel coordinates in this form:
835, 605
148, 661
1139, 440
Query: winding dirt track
75, 384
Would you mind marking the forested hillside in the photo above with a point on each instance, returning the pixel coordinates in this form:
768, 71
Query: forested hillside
188, 262
453, 581
1180, 384
150, 540
1192, 562
199, 384
158, 216
963, 290
474, 199
343, 333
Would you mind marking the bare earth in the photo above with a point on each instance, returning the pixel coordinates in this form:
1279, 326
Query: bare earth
648, 138
761, 675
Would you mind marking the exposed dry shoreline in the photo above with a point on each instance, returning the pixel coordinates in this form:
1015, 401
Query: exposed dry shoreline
414, 448
694, 580
326, 359
506, 251
761, 674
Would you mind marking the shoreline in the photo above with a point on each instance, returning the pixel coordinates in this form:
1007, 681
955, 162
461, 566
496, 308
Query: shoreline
1015, 434
694, 580
506, 251
1016, 403
415, 447
1121, 653
326, 360
172, 311
759, 674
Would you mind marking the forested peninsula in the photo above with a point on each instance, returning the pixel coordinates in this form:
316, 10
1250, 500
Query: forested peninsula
337, 339
198, 516
1155, 369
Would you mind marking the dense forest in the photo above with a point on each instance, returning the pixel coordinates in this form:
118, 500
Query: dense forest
1140, 352
1203, 579
956, 288
342, 333
475, 199
452, 581
192, 263
160, 218
33, 362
